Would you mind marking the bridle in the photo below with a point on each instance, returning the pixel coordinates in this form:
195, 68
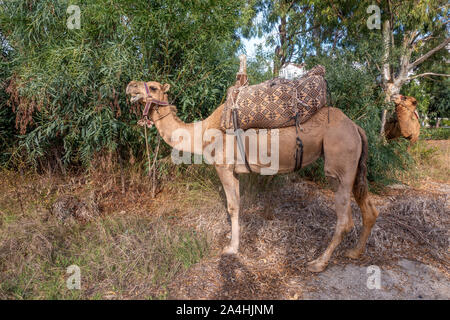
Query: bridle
145, 121
151, 101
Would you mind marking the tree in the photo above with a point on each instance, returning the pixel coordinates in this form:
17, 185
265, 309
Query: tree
411, 33
420, 29
283, 21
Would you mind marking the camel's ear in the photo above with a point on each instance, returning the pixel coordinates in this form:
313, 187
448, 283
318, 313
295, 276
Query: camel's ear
166, 87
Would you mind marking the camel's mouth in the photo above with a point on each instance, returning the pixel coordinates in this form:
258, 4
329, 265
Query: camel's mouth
136, 97
396, 98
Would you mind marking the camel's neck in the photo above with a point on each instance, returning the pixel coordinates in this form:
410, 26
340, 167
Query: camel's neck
174, 131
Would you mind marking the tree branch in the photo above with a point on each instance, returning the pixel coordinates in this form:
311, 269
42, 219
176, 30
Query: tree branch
428, 74
429, 54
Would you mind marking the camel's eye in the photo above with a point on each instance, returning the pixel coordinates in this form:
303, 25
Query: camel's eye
153, 88
414, 103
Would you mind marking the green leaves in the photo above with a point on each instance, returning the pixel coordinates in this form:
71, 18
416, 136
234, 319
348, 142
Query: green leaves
70, 84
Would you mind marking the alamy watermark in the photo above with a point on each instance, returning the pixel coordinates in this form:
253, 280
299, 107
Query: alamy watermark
374, 278
74, 280
374, 21
74, 20
215, 147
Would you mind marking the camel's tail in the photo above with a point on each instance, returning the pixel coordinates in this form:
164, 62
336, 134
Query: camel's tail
360, 187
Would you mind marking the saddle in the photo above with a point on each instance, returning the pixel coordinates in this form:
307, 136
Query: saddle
275, 103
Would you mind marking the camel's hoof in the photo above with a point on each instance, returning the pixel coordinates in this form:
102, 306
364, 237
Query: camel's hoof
353, 253
229, 250
316, 266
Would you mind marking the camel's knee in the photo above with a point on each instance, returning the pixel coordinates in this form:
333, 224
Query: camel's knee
342, 199
333, 182
371, 214
233, 210
345, 224
344, 212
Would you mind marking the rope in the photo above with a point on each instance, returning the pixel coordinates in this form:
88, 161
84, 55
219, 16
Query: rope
152, 168
147, 150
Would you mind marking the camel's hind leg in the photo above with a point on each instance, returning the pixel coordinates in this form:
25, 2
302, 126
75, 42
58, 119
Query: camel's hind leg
343, 225
360, 191
369, 216
342, 150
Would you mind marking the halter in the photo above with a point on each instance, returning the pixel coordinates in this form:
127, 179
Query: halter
151, 101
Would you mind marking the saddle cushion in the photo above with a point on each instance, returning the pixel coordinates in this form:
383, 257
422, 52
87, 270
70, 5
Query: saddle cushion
276, 103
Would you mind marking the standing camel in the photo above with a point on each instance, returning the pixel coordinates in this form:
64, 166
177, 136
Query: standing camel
329, 133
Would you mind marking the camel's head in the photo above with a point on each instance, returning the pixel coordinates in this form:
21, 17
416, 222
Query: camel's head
154, 90
408, 102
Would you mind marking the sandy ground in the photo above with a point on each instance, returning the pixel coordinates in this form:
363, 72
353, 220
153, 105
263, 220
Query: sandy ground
405, 280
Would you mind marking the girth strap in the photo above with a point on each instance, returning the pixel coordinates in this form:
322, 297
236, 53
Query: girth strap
240, 143
299, 144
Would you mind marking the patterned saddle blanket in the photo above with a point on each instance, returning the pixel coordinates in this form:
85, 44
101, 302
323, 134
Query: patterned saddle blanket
276, 103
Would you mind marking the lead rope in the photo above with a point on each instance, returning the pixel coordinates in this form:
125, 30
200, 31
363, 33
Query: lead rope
152, 168
298, 140
147, 150
154, 186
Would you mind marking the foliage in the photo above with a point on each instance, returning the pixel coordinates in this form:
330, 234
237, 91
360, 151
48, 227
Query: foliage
67, 86
435, 133
6, 114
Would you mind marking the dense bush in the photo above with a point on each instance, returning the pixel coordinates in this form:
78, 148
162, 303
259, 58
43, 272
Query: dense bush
67, 86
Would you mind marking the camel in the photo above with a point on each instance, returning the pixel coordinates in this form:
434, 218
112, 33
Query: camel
405, 123
329, 134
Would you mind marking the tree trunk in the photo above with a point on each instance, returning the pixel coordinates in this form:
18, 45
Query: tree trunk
383, 121
386, 47
280, 51
386, 70
391, 88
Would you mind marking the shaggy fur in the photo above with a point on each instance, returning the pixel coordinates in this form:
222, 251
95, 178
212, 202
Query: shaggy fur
405, 122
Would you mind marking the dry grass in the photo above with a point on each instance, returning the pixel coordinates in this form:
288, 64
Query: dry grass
432, 163
121, 254
169, 247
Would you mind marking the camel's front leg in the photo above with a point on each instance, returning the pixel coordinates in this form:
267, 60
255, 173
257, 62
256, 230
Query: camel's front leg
230, 184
